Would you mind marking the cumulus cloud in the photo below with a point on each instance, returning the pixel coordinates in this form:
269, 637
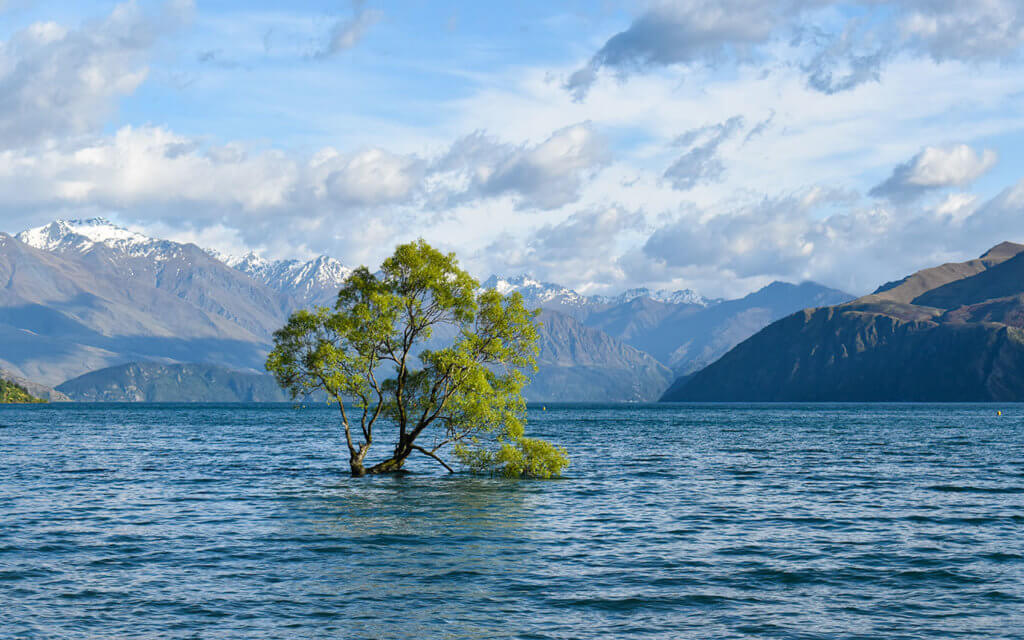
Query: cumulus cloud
773, 235
869, 34
152, 174
56, 81
577, 251
701, 162
347, 32
826, 236
1001, 217
952, 29
371, 177
546, 175
683, 32
935, 168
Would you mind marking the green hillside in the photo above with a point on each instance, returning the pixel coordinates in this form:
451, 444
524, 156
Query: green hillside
13, 393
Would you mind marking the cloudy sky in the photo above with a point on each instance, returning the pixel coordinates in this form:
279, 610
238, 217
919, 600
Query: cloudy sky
709, 144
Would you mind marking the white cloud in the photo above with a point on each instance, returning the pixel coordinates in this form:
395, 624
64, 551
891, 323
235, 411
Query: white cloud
347, 32
854, 247
547, 175
701, 162
372, 177
844, 44
683, 32
579, 251
977, 30
56, 81
935, 168
778, 199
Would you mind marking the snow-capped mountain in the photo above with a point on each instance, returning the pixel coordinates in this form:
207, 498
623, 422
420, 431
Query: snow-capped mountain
315, 281
536, 292
81, 295
81, 236
682, 296
90, 294
547, 294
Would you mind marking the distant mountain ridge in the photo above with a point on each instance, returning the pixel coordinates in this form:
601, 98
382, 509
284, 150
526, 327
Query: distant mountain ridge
549, 294
72, 310
62, 236
681, 329
949, 333
86, 295
579, 363
314, 282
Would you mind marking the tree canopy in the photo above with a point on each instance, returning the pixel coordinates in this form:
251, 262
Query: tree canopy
418, 348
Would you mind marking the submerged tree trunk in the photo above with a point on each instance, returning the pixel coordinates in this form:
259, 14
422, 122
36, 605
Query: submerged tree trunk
394, 463
355, 461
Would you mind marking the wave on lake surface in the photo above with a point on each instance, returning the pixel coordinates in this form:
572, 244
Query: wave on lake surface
729, 521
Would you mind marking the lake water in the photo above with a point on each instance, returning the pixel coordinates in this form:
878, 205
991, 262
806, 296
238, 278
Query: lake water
813, 521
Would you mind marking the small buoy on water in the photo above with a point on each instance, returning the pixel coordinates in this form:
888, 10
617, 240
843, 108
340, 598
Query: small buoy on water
999, 413
543, 408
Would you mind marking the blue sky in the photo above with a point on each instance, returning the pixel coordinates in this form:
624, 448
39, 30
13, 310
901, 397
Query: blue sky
681, 144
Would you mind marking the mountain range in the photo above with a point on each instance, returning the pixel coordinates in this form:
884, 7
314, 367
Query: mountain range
81, 296
680, 329
954, 332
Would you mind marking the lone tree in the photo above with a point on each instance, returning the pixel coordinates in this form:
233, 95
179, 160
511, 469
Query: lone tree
370, 355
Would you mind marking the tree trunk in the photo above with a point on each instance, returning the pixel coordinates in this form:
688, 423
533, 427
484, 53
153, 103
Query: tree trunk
355, 461
392, 464
397, 460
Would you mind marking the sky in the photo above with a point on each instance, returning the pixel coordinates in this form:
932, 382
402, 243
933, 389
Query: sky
715, 145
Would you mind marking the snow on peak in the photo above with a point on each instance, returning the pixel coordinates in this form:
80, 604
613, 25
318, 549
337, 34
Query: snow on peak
82, 235
683, 296
321, 275
536, 291
250, 263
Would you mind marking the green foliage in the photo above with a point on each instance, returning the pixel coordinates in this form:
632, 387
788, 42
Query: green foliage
11, 393
519, 458
418, 348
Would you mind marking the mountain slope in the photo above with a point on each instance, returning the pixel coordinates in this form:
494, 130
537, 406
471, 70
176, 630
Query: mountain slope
933, 336
555, 297
687, 337
154, 382
579, 363
11, 393
681, 329
916, 284
312, 283
37, 390
83, 304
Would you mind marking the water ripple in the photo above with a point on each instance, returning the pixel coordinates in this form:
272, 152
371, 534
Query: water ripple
730, 521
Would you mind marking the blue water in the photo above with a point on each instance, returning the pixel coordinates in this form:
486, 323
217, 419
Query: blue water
851, 521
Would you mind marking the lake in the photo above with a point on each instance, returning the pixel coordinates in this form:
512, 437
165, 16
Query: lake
674, 521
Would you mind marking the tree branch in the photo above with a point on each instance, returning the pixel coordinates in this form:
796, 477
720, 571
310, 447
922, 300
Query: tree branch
434, 456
